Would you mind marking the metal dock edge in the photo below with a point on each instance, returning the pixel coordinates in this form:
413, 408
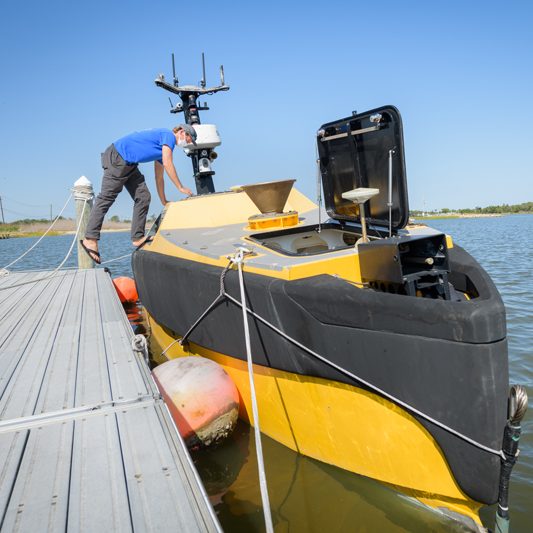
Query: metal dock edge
86, 443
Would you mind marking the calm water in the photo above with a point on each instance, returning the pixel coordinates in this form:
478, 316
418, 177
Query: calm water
307, 495
49, 253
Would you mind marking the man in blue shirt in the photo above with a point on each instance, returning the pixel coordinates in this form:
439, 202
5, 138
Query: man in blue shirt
120, 162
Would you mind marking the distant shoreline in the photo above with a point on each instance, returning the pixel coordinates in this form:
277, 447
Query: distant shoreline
465, 215
22, 234
68, 227
62, 227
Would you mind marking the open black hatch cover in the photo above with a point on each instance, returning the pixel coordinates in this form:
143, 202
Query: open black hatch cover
354, 152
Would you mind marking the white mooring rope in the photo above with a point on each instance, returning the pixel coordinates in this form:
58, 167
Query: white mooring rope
51, 274
139, 344
238, 259
83, 193
4, 270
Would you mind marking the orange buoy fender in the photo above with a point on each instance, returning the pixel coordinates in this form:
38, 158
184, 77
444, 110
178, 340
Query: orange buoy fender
201, 397
126, 289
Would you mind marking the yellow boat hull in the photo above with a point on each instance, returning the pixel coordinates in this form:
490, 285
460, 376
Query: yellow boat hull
369, 435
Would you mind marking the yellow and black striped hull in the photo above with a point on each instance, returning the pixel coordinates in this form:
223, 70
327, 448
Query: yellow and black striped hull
341, 425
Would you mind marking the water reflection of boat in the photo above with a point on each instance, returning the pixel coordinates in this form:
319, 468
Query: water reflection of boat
380, 350
135, 317
305, 495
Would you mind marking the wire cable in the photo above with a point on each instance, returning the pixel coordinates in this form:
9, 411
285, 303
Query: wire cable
370, 385
22, 203
115, 259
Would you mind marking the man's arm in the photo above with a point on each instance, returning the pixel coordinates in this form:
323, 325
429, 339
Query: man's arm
168, 163
160, 182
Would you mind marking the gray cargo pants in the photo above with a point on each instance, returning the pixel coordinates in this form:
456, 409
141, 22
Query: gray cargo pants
117, 174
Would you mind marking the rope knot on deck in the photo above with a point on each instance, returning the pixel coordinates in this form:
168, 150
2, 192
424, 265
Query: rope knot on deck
139, 344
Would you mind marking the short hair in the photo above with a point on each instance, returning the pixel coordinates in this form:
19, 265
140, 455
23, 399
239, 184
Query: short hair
188, 129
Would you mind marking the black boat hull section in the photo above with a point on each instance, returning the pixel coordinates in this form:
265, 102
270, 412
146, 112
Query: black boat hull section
447, 359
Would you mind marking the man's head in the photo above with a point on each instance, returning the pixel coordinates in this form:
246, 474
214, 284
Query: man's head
185, 134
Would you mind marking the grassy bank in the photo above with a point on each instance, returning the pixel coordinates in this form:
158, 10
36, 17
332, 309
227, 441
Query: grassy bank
61, 227
21, 234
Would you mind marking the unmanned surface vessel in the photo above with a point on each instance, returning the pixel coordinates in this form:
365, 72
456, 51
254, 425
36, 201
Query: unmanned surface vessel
378, 347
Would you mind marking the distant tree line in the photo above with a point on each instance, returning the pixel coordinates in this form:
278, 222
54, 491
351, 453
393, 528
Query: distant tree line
23, 221
526, 207
116, 218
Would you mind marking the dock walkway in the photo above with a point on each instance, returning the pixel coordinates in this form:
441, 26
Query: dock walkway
86, 443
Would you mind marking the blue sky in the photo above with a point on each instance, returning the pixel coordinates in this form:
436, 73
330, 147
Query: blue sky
75, 76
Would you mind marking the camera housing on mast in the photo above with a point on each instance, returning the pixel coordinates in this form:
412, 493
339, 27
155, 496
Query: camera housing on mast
207, 139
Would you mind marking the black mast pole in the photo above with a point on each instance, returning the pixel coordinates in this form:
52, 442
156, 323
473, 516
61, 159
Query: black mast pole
189, 105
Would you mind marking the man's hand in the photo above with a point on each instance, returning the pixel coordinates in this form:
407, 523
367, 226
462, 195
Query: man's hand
168, 164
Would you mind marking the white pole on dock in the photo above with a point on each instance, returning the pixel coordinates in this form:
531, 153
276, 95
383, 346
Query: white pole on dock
83, 197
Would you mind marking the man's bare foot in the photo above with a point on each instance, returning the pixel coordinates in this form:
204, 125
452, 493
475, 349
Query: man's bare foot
140, 241
91, 247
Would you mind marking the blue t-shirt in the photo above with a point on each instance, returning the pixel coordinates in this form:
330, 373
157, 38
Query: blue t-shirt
144, 146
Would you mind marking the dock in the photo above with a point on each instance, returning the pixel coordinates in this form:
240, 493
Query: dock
86, 442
